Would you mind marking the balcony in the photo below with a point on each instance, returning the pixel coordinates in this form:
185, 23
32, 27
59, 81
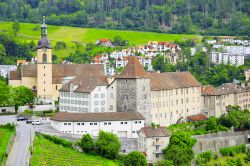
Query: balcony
157, 143
158, 151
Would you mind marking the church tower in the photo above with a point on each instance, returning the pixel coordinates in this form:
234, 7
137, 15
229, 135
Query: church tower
44, 65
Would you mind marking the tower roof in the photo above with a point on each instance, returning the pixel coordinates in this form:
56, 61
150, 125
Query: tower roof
44, 41
133, 69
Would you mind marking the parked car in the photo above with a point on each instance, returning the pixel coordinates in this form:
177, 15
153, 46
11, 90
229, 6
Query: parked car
28, 121
21, 118
36, 122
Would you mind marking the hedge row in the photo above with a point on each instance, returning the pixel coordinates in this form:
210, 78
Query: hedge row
204, 157
58, 141
231, 151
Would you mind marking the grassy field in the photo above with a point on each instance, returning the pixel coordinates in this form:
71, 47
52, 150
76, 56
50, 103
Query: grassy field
70, 35
5, 135
229, 160
46, 153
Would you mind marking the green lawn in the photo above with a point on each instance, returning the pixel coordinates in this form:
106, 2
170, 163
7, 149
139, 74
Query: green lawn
225, 161
5, 135
70, 35
47, 153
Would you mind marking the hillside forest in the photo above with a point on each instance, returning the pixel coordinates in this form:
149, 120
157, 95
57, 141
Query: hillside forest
207, 17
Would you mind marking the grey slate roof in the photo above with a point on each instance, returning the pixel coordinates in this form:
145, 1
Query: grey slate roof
96, 117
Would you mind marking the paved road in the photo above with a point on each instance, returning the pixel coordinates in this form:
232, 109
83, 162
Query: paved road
19, 155
7, 119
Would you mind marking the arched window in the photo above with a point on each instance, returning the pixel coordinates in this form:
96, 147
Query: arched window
44, 58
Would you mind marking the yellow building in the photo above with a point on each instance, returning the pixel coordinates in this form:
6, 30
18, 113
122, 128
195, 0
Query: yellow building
45, 78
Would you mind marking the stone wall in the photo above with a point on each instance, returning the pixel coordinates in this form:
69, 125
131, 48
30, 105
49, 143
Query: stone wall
219, 140
7, 109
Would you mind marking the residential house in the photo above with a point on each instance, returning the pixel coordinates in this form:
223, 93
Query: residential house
104, 42
152, 141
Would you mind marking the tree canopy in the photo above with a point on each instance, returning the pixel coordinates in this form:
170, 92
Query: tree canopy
214, 17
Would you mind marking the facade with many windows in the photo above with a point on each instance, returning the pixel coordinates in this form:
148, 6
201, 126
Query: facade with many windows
84, 94
174, 97
123, 124
218, 101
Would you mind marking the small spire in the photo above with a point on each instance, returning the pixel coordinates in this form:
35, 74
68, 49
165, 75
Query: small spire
44, 20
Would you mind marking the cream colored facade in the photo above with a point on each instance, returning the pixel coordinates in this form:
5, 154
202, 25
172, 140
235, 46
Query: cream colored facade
219, 100
152, 146
170, 106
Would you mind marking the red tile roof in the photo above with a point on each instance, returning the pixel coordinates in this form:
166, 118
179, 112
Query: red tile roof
133, 69
198, 117
104, 40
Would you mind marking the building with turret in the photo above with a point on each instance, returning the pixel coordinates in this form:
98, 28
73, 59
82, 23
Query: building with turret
46, 78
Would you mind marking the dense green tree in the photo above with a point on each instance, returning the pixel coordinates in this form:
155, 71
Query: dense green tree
4, 94
135, 159
179, 149
164, 163
21, 95
214, 17
108, 145
87, 143
16, 27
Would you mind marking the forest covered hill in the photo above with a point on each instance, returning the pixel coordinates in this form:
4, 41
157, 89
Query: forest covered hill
207, 17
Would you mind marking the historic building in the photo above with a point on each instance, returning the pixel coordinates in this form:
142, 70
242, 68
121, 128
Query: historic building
46, 78
84, 94
218, 101
162, 98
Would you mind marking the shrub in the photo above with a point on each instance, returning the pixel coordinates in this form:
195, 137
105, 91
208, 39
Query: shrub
204, 157
231, 151
235, 162
135, 159
164, 163
216, 155
87, 143
59, 141
108, 145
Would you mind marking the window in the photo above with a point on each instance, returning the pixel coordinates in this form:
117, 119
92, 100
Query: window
56, 87
135, 122
133, 131
125, 107
95, 123
111, 107
99, 88
96, 95
78, 124
91, 123
102, 109
103, 102
65, 124
125, 122
125, 96
69, 123
102, 95
44, 58
105, 123
145, 96
96, 109
109, 123
82, 123
121, 122
139, 122
96, 102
